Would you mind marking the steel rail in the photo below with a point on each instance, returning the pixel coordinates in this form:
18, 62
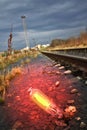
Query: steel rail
76, 61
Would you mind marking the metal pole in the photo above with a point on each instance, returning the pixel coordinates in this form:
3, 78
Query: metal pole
25, 30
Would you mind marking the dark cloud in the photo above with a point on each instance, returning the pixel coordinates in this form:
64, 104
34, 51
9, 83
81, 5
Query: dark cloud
45, 20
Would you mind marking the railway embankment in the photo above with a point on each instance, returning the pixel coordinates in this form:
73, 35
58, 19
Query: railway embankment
75, 59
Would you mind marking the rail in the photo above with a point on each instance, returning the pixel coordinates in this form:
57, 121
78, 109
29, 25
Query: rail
76, 61
82, 52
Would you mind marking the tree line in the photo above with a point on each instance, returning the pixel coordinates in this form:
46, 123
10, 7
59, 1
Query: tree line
80, 41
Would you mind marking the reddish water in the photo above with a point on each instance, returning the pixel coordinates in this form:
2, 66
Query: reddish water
20, 112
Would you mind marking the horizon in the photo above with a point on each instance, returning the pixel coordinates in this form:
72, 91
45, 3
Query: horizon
45, 21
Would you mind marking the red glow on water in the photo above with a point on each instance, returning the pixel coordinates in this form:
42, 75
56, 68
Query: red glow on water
37, 78
34, 116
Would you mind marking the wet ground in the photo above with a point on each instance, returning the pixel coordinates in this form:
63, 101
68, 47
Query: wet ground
20, 113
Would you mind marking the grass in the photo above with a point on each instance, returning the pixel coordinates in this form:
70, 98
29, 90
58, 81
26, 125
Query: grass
6, 61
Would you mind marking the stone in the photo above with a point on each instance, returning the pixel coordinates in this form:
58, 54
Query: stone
70, 86
18, 98
67, 72
57, 72
62, 90
57, 83
70, 101
79, 94
86, 82
74, 91
57, 65
9, 95
9, 104
70, 110
79, 78
78, 118
51, 72
82, 125
62, 67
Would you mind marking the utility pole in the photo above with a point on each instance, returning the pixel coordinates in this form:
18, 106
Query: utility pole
25, 32
10, 41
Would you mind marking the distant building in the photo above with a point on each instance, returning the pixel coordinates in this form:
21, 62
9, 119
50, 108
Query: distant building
39, 46
25, 49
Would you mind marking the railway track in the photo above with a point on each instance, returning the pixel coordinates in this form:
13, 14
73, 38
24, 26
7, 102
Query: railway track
75, 61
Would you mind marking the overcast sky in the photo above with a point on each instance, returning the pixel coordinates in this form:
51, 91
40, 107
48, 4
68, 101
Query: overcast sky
45, 20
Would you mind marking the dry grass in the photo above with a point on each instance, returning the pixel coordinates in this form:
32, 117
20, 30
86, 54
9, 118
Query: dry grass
15, 71
5, 80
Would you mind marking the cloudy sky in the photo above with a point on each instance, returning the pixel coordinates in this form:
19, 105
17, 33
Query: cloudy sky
45, 20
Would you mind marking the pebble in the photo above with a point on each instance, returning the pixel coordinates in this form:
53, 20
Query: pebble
70, 110
74, 91
62, 67
9, 104
79, 78
57, 83
57, 72
82, 125
18, 98
58, 65
62, 90
67, 72
86, 82
70, 86
9, 95
78, 118
70, 101
51, 72
79, 94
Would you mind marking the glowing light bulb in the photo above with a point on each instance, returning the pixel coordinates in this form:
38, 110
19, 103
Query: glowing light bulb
44, 102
